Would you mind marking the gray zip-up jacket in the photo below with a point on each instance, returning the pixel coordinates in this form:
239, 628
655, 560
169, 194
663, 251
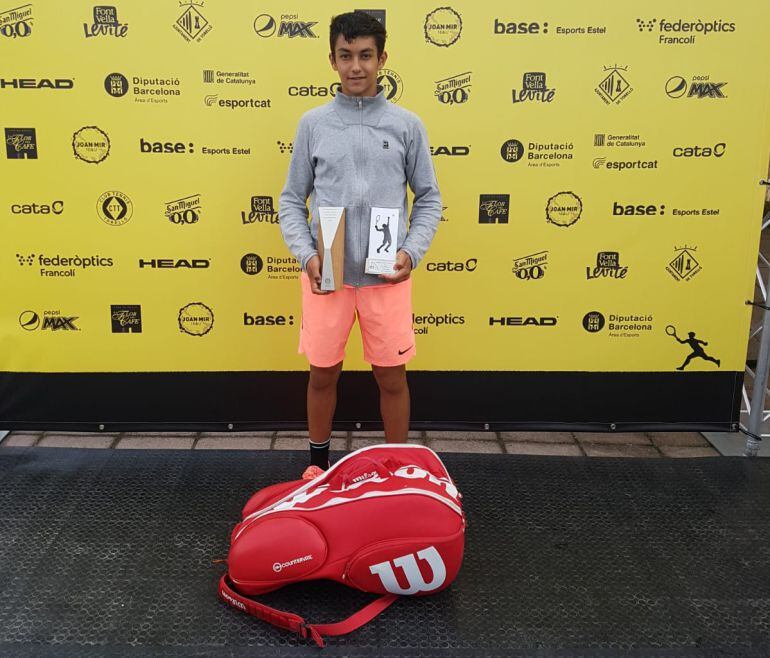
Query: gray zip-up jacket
360, 152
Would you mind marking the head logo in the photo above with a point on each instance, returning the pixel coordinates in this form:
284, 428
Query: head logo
20, 144
37, 83
171, 264
563, 209
443, 27
493, 208
91, 144
512, 150
251, 264
593, 322
391, 83
196, 319
522, 321
614, 88
450, 150
114, 208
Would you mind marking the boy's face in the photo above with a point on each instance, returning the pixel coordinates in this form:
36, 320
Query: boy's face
357, 64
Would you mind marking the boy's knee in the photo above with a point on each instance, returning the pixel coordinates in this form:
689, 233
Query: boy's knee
321, 378
390, 379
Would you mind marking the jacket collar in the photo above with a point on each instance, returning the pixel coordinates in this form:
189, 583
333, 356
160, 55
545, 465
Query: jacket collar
360, 109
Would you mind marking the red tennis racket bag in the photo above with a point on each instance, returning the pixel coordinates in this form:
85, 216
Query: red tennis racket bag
386, 519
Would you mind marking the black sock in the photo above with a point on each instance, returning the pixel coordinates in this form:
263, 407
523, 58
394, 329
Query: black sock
319, 454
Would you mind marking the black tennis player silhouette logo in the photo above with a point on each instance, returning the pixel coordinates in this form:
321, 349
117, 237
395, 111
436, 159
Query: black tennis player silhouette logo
695, 344
385, 230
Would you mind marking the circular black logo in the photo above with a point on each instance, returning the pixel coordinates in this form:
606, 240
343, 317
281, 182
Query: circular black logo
116, 84
563, 209
264, 25
443, 27
114, 208
391, 82
91, 144
29, 320
512, 150
251, 264
593, 322
196, 319
676, 86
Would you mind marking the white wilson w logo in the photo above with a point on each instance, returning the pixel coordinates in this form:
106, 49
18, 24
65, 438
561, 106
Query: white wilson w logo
412, 572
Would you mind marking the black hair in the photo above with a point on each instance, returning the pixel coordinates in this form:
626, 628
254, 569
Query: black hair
357, 24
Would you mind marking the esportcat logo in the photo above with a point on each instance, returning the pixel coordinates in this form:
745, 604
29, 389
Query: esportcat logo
280, 566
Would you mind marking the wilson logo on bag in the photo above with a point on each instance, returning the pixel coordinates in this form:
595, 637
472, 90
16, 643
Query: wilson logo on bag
385, 519
413, 576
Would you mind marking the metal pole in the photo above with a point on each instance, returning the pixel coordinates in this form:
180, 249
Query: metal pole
760, 384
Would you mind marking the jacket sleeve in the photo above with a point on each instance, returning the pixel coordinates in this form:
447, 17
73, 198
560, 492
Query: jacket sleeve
426, 209
292, 206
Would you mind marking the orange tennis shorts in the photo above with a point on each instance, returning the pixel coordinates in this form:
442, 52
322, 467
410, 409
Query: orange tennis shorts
384, 316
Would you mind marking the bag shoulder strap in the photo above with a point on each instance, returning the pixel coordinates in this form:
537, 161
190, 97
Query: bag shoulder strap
297, 624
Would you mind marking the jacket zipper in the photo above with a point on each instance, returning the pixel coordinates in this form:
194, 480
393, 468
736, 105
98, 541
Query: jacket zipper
362, 249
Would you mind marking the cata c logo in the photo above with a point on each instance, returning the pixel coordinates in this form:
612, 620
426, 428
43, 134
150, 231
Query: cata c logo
408, 564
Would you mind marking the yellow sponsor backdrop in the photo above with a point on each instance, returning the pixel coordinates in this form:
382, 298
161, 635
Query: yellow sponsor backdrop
711, 304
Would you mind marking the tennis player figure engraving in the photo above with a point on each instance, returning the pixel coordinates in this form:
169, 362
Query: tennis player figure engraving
383, 223
695, 345
386, 239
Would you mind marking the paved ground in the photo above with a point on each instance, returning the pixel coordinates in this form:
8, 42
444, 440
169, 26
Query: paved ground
652, 444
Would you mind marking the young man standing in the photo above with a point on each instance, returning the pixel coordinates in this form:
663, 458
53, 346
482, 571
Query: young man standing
358, 151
